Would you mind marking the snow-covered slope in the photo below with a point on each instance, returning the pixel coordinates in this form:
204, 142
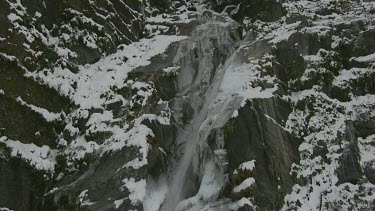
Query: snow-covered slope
187, 105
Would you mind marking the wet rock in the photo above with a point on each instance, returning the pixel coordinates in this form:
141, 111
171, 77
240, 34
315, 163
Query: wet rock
204, 52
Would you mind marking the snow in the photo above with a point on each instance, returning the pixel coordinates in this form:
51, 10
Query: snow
240, 203
5, 209
235, 114
37, 14
96, 80
136, 136
282, 33
137, 189
8, 57
368, 58
79, 147
247, 183
92, 87
173, 69
346, 76
324, 125
118, 203
42, 158
83, 199
367, 149
250, 165
180, 16
242, 80
96, 122
13, 17
94, 84
48, 116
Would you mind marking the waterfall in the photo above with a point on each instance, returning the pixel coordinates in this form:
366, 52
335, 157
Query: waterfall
198, 175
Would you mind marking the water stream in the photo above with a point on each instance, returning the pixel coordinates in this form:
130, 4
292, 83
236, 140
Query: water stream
198, 176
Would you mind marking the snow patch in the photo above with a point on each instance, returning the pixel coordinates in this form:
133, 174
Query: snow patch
137, 189
247, 183
42, 158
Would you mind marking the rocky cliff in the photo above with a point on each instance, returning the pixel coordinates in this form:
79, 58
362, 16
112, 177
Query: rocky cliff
187, 105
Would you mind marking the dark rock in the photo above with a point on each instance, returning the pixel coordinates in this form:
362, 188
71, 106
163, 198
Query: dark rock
293, 18
255, 137
320, 150
288, 53
102, 179
364, 43
98, 137
350, 169
14, 84
165, 135
162, 145
162, 5
25, 125
369, 171
22, 187
246, 208
264, 10
364, 128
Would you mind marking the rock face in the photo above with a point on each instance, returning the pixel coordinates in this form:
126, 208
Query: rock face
187, 105
239, 10
257, 134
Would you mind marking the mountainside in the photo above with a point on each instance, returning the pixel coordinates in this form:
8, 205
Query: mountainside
187, 105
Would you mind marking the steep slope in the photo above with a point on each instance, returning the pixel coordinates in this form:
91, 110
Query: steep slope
187, 105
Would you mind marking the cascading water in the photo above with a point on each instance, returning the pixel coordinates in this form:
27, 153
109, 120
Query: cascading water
202, 60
